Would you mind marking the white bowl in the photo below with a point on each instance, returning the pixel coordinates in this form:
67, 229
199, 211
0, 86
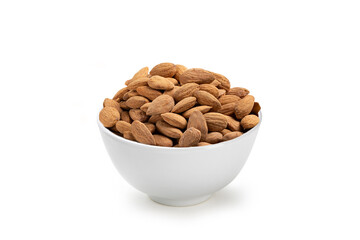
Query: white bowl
179, 176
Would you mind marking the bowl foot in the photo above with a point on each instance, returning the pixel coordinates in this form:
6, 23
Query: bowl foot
180, 202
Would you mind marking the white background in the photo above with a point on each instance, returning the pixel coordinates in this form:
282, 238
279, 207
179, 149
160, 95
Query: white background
60, 59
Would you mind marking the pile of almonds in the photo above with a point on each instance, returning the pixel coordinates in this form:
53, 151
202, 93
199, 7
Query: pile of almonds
173, 106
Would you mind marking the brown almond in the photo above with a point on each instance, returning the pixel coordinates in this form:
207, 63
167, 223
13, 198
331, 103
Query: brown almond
173, 80
129, 136
141, 73
216, 83
174, 120
141, 133
197, 120
249, 121
161, 104
125, 116
164, 70
123, 105
231, 135
200, 144
168, 130
216, 122
136, 101
160, 83
238, 91
148, 92
184, 105
256, 108
145, 107
130, 94
210, 89
224, 82
196, 75
172, 91
109, 116
138, 83
233, 125
163, 141
155, 118
138, 114
150, 126
191, 137
122, 126
180, 69
120, 94
202, 109
244, 106
186, 90
205, 98
222, 92
228, 99
214, 137
113, 128
227, 109
112, 103
225, 131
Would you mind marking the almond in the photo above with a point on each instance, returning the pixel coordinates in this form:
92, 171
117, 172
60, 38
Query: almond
238, 91
164, 70
216, 83
145, 107
216, 122
109, 116
214, 137
228, 99
233, 125
150, 126
191, 137
148, 92
112, 103
196, 75
225, 131
224, 82
155, 118
249, 121
122, 126
136, 101
160, 83
231, 135
256, 108
200, 144
174, 120
227, 109
184, 105
125, 116
205, 98
210, 89
168, 130
197, 120
120, 94
202, 109
129, 136
173, 80
222, 92
141, 73
244, 106
186, 90
130, 94
141, 133
161, 104
163, 141
138, 83
123, 105
172, 91
138, 114
180, 69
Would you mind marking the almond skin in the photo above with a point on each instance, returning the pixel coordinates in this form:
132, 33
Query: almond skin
214, 137
224, 82
198, 121
256, 108
172, 91
122, 126
136, 101
202, 109
155, 118
145, 107
180, 69
109, 116
187, 90
227, 109
196, 75
228, 99
123, 105
168, 130
210, 89
216, 122
233, 125
163, 141
161, 104
160, 83
141, 73
191, 137
112, 103
148, 92
238, 91
249, 121
222, 92
141, 133
120, 94
184, 105
130, 94
125, 116
138, 114
231, 135
216, 83
173, 80
164, 70
138, 82
174, 120
150, 126
129, 136
244, 106
225, 131
205, 98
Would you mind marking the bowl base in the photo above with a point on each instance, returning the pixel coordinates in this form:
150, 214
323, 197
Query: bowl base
180, 202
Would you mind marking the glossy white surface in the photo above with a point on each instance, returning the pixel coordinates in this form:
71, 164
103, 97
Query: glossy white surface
178, 176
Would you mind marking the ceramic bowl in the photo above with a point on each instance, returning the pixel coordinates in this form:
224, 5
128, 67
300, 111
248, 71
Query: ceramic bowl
178, 176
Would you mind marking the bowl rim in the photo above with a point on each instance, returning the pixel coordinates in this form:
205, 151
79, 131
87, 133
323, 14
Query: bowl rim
122, 139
